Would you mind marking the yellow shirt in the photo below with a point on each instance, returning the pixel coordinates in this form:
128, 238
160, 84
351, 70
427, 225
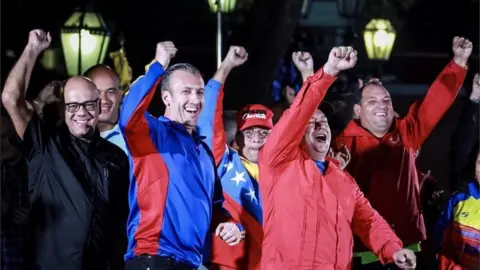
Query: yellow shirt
252, 168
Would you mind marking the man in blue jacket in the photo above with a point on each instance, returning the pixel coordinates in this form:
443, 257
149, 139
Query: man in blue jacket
175, 196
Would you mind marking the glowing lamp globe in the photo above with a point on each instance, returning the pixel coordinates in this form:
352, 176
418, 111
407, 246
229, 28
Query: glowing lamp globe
379, 37
227, 6
85, 38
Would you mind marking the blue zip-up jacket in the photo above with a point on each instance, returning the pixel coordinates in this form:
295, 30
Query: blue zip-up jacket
240, 189
174, 191
458, 230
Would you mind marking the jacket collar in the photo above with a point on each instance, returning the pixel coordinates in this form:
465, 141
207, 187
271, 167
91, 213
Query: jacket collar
180, 127
355, 129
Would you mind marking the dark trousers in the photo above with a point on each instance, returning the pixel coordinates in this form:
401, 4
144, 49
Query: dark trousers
147, 262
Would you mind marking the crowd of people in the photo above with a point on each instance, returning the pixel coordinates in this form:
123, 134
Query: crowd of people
91, 180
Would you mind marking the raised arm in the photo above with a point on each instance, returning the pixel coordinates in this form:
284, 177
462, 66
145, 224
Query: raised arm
210, 122
13, 95
419, 123
135, 104
464, 139
285, 138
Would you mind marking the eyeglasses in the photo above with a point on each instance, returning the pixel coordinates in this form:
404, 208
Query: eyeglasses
250, 133
73, 107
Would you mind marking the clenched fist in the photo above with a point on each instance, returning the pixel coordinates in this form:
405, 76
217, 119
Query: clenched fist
343, 156
38, 40
236, 56
462, 49
340, 58
475, 95
165, 52
230, 233
304, 63
405, 259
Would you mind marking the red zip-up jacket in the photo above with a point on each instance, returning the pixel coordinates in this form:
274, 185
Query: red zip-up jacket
309, 217
385, 169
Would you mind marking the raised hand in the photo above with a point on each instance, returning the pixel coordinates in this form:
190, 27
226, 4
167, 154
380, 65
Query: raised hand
462, 49
38, 40
304, 62
475, 95
343, 156
236, 56
50, 93
340, 58
165, 52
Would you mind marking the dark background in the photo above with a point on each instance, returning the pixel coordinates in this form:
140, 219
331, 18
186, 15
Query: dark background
269, 30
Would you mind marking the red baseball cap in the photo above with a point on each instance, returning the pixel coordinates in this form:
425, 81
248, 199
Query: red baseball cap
254, 115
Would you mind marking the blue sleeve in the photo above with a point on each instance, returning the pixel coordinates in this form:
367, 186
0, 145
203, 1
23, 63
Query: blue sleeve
205, 123
137, 100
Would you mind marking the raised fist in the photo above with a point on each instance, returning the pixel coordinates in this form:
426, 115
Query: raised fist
475, 95
462, 49
340, 58
165, 52
303, 61
343, 156
50, 93
236, 56
39, 40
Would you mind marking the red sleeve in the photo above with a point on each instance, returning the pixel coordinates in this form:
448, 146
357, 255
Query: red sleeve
286, 136
373, 230
447, 257
424, 116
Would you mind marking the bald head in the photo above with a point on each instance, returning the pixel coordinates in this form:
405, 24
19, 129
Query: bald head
79, 89
81, 106
102, 71
108, 83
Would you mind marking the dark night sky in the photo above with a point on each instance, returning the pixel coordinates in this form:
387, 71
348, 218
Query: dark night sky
430, 26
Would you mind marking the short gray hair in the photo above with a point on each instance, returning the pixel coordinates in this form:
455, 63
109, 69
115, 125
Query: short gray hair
180, 66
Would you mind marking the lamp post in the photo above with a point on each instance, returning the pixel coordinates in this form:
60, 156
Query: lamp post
219, 7
85, 38
379, 37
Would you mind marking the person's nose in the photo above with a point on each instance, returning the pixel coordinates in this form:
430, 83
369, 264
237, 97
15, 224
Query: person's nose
82, 111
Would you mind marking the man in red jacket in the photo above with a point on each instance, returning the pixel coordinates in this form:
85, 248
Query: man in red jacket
383, 148
310, 206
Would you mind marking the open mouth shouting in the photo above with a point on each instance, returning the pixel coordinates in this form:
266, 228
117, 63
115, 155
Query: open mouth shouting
321, 137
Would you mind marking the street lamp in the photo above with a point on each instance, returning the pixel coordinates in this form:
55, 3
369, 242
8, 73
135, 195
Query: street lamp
219, 7
379, 37
85, 38
226, 6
